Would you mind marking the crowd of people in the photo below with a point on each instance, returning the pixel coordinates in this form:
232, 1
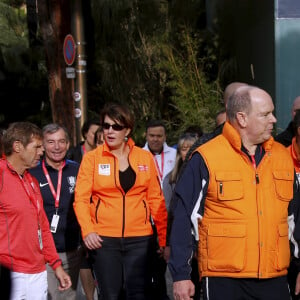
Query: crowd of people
217, 216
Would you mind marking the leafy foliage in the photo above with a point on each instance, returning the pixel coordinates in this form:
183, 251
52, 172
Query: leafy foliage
195, 101
150, 57
156, 56
23, 78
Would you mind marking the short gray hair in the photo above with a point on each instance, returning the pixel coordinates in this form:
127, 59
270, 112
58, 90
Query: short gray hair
53, 127
239, 101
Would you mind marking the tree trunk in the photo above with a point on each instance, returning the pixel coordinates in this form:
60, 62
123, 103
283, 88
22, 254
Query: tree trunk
54, 21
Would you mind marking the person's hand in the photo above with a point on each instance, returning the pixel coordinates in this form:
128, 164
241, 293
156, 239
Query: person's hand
160, 251
297, 287
167, 253
93, 241
63, 278
183, 290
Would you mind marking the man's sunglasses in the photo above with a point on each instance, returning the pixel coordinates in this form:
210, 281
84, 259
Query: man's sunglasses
115, 126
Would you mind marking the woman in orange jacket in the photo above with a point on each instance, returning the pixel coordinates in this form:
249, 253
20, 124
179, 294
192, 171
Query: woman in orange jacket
122, 181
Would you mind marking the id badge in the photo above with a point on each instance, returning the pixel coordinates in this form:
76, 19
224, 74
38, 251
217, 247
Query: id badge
40, 238
54, 223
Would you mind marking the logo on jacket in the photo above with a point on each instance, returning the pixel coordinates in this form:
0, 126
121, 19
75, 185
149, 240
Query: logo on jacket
143, 168
71, 181
104, 169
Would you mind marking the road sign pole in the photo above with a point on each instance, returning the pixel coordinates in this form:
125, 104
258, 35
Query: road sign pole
80, 81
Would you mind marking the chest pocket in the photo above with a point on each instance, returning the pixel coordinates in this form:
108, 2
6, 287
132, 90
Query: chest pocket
283, 180
229, 186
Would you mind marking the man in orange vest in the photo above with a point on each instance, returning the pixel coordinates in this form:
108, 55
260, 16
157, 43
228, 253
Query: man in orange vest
236, 196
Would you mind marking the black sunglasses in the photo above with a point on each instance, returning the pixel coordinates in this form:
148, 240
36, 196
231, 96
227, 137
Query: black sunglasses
115, 126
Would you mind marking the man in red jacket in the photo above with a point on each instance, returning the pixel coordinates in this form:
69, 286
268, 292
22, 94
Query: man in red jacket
26, 243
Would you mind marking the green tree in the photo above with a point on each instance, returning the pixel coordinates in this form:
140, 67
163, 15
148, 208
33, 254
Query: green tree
150, 54
22, 76
194, 99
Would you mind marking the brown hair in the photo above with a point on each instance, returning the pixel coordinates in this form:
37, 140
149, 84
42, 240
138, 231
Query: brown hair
119, 113
19, 131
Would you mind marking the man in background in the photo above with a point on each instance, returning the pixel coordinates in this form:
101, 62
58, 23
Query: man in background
285, 137
164, 158
163, 155
57, 179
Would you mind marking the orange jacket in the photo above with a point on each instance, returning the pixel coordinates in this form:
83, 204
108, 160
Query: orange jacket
244, 230
112, 212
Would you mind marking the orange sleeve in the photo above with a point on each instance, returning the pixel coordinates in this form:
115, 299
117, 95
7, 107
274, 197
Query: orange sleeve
83, 192
157, 204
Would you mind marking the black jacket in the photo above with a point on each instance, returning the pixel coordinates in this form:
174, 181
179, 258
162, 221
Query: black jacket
286, 136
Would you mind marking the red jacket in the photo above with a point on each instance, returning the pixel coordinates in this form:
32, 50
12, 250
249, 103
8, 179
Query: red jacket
19, 244
113, 212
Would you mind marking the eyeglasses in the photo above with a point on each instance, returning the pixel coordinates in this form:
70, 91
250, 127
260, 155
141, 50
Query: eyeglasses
115, 126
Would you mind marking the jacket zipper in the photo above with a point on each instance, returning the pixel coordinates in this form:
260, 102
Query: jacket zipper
96, 211
123, 196
146, 211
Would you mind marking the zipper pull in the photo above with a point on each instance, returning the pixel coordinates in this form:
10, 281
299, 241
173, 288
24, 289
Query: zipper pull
221, 188
256, 178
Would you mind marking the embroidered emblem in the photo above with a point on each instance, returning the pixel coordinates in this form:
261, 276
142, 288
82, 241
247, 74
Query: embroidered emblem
143, 168
71, 180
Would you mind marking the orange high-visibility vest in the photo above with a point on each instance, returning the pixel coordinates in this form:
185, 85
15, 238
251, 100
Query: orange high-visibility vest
244, 230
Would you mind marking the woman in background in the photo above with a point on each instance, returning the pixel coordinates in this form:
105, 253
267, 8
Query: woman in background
88, 130
99, 137
185, 142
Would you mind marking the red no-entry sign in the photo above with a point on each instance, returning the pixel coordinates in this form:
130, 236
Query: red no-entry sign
69, 49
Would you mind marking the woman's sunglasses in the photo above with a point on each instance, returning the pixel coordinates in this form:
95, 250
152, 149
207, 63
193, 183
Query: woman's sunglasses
115, 126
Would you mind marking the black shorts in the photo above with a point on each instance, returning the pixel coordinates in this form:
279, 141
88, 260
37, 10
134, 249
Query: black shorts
86, 262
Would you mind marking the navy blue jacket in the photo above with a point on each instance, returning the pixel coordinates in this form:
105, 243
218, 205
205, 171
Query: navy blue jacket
67, 236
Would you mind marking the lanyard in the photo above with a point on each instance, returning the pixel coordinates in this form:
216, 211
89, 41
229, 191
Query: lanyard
257, 155
28, 186
56, 194
83, 149
253, 161
160, 170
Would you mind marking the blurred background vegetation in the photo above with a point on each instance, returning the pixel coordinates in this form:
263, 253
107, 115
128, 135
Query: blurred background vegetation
158, 56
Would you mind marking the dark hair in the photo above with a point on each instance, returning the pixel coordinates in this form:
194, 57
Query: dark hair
156, 123
20, 131
97, 135
119, 113
86, 126
194, 129
220, 112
